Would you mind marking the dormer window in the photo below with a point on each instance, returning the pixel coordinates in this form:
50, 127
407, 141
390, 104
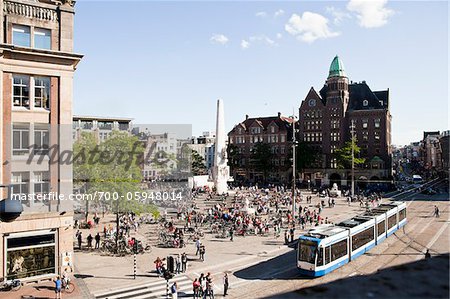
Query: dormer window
365, 103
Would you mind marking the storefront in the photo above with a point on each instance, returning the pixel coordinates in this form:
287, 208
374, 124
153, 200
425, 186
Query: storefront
30, 254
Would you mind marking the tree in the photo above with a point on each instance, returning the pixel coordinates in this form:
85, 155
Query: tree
343, 155
198, 166
261, 158
234, 156
111, 171
305, 156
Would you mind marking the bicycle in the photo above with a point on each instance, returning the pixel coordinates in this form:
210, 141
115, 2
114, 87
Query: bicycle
10, 285
67, 286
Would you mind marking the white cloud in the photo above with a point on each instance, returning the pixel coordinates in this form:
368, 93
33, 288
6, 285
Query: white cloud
278, 13
338, 15
245, 44
309, 27
263, 39
371, 14
261, 14
279, 36
219, 39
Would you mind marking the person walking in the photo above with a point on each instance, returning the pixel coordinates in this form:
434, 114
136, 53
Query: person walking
196, 288
58, 287
178, 264
174, 290
183, 262
231, 234
436, 211
80, 240
198, 243
202, 253
97, 241
225, 284
89, 241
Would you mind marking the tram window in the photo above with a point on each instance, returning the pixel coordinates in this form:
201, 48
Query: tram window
392, 221
320, 256
307, 251
401, 215
338, 250
381, 227
362, 238
327, 255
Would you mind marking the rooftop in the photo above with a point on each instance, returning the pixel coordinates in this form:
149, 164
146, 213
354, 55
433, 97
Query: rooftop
337, 68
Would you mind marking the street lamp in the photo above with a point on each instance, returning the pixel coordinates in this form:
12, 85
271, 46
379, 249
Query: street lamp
10, 208
294, 145
352, 127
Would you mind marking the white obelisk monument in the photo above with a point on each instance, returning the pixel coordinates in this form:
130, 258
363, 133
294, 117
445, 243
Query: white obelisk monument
221, 170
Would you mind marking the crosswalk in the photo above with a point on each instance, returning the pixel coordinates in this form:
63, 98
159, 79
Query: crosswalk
155, 289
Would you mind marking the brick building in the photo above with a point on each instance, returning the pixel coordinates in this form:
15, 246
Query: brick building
276, 131
37, 66
325, 121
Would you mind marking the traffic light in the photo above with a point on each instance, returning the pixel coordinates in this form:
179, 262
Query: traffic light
135, 245
167, 275
170, 264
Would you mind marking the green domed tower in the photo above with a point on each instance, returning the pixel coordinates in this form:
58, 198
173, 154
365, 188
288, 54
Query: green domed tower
337, 85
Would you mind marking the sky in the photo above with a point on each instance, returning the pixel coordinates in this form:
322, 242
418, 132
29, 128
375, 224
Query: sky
169, 61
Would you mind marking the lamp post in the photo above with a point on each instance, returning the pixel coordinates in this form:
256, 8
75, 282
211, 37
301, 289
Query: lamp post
294, 144
352, 127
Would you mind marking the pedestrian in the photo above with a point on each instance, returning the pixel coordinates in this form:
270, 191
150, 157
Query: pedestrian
202, 253
178, 264
183, 262
231, 234
286, 239
427, 254
209, 287
89, 241
80, 240
58, 287
225, 284
291, 232
196, 288
174, 290
436, 211
97, 241
198, 243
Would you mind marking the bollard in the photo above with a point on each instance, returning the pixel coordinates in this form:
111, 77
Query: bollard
134, 266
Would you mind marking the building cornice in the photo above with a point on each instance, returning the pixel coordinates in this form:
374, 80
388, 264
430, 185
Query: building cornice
37, 55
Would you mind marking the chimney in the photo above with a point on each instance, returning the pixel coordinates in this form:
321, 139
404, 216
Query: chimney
279, 114
246, 116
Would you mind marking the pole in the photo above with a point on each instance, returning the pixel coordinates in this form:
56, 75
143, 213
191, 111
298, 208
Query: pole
134, 275
293, 167
353, 157
167, 288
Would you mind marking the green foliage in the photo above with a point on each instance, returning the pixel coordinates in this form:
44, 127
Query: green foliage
198, 166
111, 169
261, 157
343, 155
233, 155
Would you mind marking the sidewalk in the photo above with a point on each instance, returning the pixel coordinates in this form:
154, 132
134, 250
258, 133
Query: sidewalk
44, 290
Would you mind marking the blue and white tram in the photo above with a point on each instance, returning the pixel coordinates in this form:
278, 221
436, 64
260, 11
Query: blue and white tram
328, 247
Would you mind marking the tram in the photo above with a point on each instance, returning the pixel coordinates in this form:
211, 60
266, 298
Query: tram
330, 246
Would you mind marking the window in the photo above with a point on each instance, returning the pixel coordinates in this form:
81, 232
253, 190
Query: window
333, 163
392, 221
381, 227
365, 136
307, 251
20, 181
42, 92
365, 103
41, 139
41, 182
282, 138
312, 102
377, 123
335, 124
335, 136
320, 256
21, 91
21, 36
272, 129
377, 135
256, 130
365, 123
362, 238
401, 215
42, 39
327, 255
21, 139
338, 250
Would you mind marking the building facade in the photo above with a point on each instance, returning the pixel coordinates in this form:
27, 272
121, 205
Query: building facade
101, 127
37, 65
276, 132
325, 120
204, 146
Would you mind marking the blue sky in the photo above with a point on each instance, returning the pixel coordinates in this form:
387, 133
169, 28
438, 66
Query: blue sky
168, 62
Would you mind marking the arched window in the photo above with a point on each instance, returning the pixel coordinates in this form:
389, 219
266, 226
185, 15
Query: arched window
365, 103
